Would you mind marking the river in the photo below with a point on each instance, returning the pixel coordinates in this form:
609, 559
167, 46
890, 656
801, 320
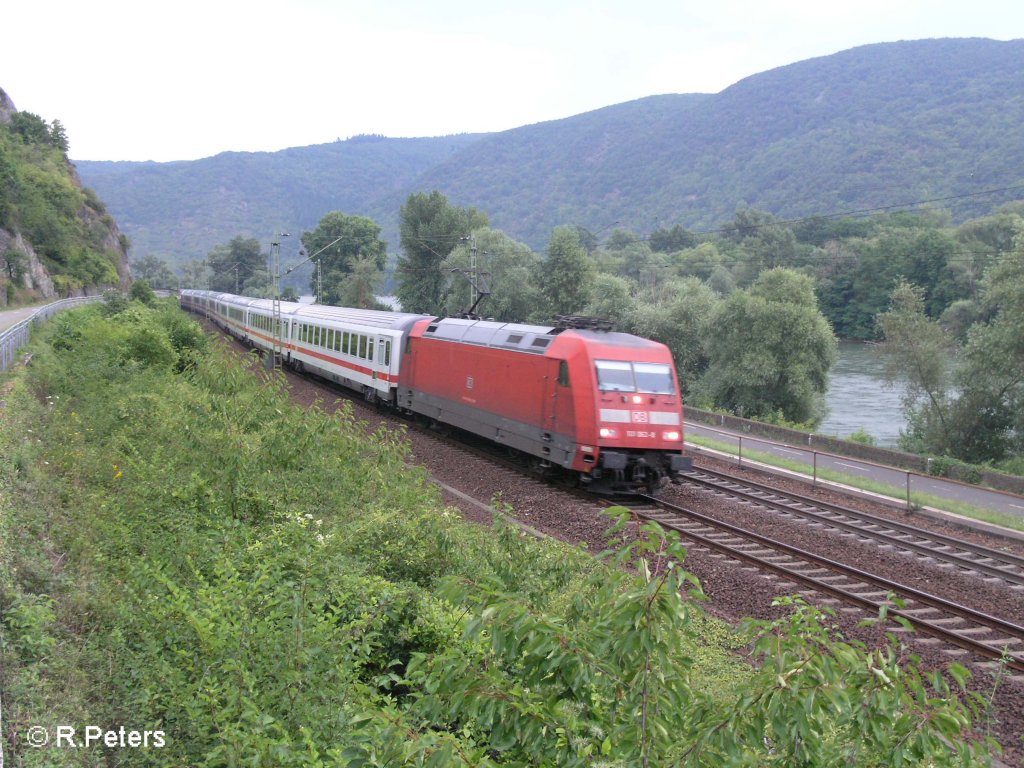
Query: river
859, 398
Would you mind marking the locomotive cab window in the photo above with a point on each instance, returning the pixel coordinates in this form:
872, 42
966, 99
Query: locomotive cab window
623, 376
563, 373
654, 378
614, 376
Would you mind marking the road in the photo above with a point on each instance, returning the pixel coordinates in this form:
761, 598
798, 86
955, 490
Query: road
14, 316
901, 480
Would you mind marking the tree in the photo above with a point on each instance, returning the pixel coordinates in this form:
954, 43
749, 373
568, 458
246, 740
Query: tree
612, 299
15, 265
141, 291
620, 239
430, 228
700, 261
587, 239
505, 267
917, 349
235, 264
769, 245
8, 184
678, 317
672, 240
193, 274
359, 286
988, 416
339, 242
567, 275
155, 271
770, 350
58, 136
30, 127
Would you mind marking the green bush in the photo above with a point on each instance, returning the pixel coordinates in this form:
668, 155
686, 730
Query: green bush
946, 466
862, 436
140, 291
28, 622
270, 587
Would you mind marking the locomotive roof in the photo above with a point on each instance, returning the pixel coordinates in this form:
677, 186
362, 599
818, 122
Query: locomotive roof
617, 339
488, 333
525, 338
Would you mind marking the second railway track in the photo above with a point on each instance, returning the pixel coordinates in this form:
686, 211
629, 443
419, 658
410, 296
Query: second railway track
969, 557
982, 635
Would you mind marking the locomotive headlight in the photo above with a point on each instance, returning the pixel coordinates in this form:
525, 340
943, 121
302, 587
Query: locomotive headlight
637, 399
608, 432
673, 435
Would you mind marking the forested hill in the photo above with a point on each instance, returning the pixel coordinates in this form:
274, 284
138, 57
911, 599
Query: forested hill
879, 125
873, 126
180, 210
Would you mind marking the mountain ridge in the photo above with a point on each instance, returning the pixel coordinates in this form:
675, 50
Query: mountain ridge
873, 126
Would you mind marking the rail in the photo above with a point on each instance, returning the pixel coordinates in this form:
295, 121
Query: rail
17, 336
882, 482
982, 634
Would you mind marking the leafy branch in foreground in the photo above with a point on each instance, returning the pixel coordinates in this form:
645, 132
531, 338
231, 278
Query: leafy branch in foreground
611, 684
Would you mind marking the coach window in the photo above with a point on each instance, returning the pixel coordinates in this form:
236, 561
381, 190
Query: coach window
337, 341
387, 352
563, 373
369, 350
362, 347
330, 339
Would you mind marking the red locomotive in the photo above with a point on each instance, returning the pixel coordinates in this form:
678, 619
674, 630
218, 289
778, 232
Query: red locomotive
600, 405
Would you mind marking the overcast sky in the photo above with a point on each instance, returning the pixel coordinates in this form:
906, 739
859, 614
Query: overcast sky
137, 80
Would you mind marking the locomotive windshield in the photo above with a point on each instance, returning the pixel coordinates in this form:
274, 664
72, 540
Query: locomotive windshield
623, 376
655, 378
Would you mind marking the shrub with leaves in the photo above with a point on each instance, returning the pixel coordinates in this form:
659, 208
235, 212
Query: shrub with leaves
271, 588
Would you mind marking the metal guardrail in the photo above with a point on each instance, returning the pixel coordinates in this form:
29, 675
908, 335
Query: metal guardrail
907, 481
17, 336
884, 456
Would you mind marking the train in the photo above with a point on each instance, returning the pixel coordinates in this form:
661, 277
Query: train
600, 407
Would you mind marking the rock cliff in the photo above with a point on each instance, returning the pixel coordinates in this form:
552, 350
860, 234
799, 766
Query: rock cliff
31, 270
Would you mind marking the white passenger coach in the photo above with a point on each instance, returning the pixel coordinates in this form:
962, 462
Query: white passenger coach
359, 349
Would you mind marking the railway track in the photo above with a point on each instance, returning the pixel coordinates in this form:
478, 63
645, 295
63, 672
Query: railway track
968, 557
981, 635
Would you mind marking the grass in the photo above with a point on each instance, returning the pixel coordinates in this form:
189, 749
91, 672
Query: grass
917, 499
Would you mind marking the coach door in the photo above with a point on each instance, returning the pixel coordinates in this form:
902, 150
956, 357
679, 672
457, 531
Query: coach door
559, 413
383, 365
